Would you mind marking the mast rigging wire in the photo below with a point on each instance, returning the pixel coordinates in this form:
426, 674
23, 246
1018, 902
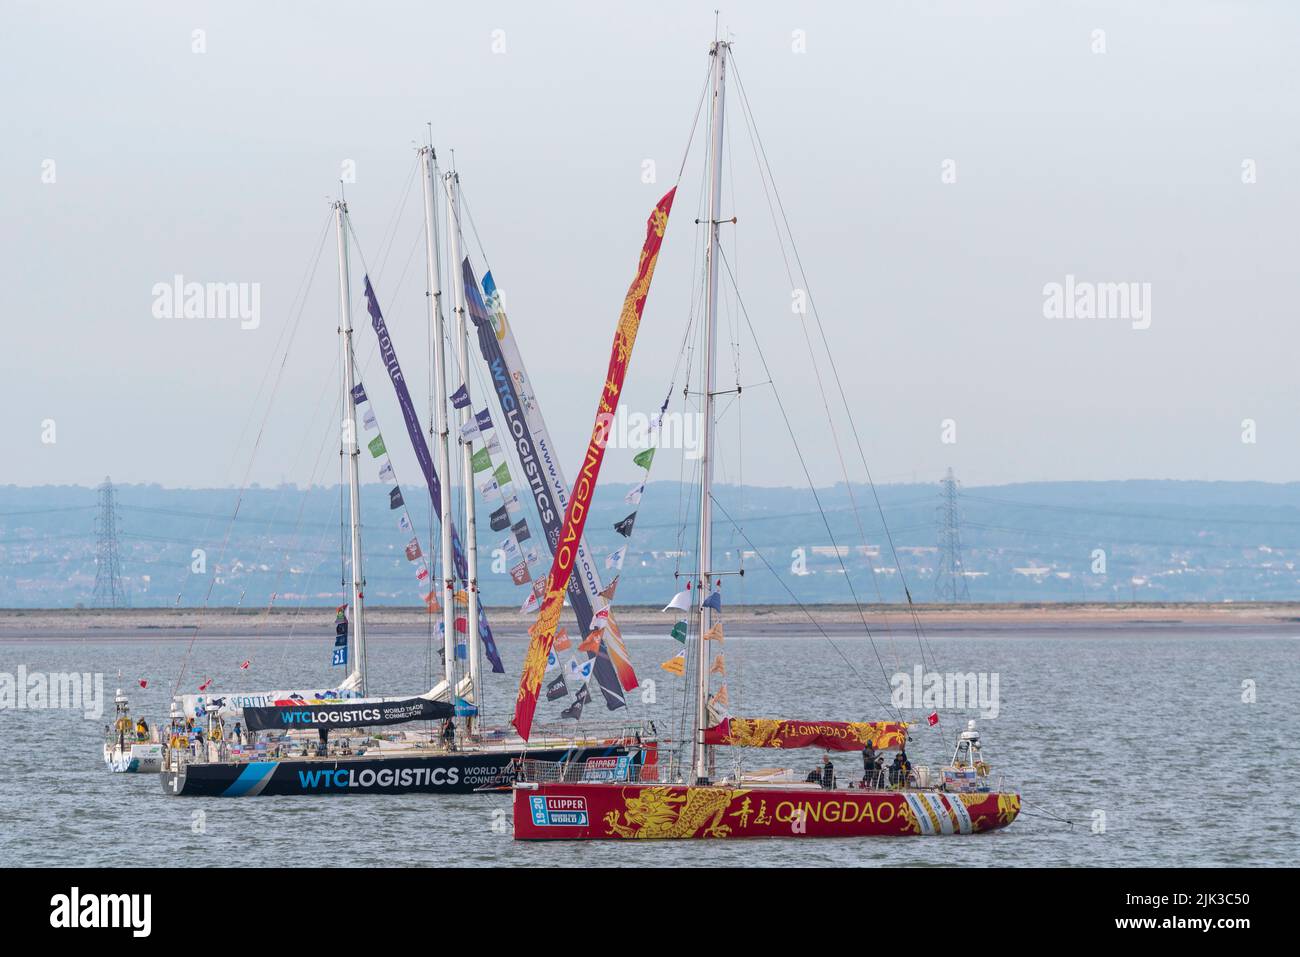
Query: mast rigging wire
262, 427
801, 606
922, 640
803, 464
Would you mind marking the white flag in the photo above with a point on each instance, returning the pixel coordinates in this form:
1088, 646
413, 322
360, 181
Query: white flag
530, 604
469, 431
513, 505
404, 523
581, 671
488, 486
634, 497
493, 444
386, 471
681, 601
615, 559
368, 420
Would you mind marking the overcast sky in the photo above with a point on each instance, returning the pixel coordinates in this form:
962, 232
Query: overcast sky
1115, 143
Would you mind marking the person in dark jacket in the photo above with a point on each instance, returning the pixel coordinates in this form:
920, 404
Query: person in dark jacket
828, 773
449, 734
868, 763
874, 775
896, 770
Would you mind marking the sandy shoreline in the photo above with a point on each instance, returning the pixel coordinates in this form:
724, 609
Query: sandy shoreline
136, 623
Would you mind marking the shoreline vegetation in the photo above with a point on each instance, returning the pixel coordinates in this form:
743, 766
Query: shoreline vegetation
1038, 619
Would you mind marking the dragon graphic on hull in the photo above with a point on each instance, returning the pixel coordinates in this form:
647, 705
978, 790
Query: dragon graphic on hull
555, 811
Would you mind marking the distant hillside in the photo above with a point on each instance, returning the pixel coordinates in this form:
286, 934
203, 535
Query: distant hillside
1162, 541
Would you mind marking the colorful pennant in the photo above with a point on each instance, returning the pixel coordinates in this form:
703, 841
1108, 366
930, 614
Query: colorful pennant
579, 506
396, 503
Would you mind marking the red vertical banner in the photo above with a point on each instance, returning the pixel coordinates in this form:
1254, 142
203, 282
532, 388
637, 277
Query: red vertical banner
542, 633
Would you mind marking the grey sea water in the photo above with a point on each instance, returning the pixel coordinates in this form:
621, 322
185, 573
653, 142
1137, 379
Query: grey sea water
1145, 730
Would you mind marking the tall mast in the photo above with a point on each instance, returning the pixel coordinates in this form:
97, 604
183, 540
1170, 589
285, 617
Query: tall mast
719, 53
466, 446
350, 445
437, 328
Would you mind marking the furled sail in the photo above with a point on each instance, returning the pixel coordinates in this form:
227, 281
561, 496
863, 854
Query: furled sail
464, 689
786, 733
542, 634
527, 432
389, 355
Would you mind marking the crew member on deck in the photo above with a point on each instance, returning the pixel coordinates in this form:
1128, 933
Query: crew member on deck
124, 727
449, 734
828, 773
814, 776
868, 763
896, 770
874, 774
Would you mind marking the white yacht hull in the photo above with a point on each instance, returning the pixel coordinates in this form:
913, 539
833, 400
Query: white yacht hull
142, 758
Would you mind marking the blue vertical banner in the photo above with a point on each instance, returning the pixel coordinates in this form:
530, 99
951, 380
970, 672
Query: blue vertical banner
340, 656
389, 356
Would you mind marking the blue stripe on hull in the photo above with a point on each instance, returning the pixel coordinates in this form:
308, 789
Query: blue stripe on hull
251, 777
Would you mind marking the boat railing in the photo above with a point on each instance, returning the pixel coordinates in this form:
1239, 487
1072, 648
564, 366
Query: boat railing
636, 735
638, 767
558, 736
